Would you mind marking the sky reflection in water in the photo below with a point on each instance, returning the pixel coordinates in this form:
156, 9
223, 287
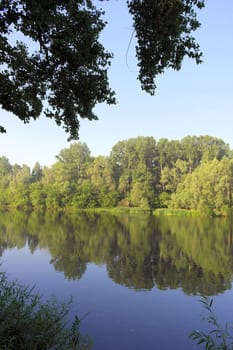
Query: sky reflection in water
138, 279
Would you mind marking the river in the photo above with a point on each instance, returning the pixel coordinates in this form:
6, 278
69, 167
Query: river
135, 279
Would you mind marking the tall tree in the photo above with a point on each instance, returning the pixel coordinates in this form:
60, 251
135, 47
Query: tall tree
73, 162
101, 173
37, 172
5, 172
208, 188
135, 167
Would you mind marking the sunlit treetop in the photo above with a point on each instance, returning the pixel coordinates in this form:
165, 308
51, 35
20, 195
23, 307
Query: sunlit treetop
52, 63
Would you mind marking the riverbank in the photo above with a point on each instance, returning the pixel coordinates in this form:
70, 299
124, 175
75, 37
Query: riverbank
128, 210
176, 212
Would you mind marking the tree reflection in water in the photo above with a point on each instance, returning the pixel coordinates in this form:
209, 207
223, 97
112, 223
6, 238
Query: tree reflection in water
140, 251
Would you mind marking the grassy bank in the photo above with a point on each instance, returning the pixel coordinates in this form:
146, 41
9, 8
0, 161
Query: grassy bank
131, 210
175, 212
119, 210
184, 212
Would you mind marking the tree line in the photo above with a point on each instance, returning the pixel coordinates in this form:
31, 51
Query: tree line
195, 172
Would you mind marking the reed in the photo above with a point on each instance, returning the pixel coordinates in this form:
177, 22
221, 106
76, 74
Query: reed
27, 323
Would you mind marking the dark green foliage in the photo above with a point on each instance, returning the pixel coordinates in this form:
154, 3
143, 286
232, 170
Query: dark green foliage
66, 66
51, 60
163, 29
27, 323
219, 337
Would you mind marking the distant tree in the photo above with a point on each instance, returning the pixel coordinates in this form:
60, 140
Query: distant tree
63, 73
171, 177
37, 172
199, 149
168, 152
5, 166
138, 196
101, 173
213, 147
207, 189
192, 151
54, 198
135, 165
20, 196
73, 162
108, 199
37, 195
20, 175
194, 173
5, 172
86, 196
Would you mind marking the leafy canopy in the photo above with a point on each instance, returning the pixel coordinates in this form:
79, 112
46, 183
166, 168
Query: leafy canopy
51, 60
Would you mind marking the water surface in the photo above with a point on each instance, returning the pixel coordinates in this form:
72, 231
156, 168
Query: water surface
138, 278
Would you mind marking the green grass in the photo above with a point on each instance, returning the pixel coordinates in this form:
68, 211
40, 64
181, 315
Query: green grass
27, 323
117, 210
175, 212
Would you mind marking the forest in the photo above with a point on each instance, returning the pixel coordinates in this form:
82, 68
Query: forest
194, 173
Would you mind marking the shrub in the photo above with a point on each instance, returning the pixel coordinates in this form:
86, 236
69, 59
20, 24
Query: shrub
27, 323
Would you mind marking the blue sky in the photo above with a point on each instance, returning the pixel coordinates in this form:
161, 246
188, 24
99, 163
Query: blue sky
197, 100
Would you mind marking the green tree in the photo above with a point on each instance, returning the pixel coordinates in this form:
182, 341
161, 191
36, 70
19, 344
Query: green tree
101, 176
163, 30
37, 195
73, 163
37, 172
64, 72
108, 199
199, 149
5, 166
171, 177
21, 175
54, 197
5, 172
5, 197
169, 151
67, 69
101, 173
21, 196
192, 151
138, 196
134, 163
86, 196
213, 147
207, 189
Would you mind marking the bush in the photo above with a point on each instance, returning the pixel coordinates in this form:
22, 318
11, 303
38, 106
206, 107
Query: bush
27, 323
